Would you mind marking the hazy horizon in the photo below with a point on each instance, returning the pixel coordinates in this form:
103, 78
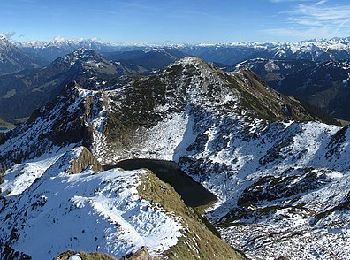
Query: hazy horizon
102, 41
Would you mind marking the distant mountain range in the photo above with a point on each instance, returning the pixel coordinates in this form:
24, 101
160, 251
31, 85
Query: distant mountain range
14, 59
23, 92
31, 73
225, 53
324, 85
145, 61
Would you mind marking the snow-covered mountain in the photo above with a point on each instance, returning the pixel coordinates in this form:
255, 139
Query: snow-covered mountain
51, 50
223, 53
46, 211
297, 57
234, 53
59, 189
23, 92
280, 175
282, 185
13, 59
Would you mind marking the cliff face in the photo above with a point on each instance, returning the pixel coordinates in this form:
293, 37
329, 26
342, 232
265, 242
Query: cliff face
84, 161
67, 121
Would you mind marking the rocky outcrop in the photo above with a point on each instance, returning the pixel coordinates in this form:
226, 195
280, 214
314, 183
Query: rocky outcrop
85, 160
141, 254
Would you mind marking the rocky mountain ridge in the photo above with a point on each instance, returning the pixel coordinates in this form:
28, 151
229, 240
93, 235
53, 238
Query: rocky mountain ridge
324, 86
280, 175
144, 59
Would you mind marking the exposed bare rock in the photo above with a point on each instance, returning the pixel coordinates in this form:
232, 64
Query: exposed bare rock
85, 160
141, 254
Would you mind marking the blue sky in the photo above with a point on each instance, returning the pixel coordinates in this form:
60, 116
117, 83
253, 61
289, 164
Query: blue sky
175, 21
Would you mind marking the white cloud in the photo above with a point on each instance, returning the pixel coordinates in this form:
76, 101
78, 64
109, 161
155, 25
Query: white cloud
298, 34
321, 2
285, 1
319, 19
59, 39
320, 15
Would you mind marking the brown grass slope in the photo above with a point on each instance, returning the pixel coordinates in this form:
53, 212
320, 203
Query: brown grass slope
197, 242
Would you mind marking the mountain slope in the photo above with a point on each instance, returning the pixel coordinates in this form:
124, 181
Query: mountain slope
280, 175
209, 123
55, 185
5, 126
12, 59
135, 113
274, 71
197, 242
115, 212
324, 86
146, 61
70, 119
22, 93
52, 208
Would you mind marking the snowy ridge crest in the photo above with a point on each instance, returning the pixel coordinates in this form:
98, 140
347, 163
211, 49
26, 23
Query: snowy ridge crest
43, 198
